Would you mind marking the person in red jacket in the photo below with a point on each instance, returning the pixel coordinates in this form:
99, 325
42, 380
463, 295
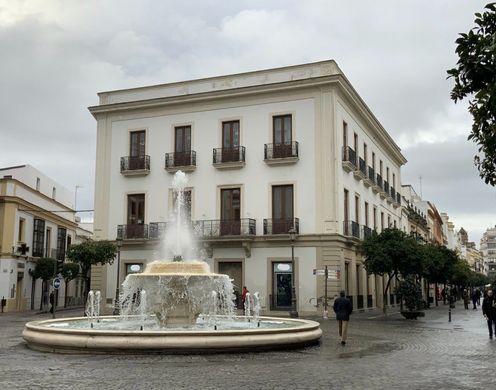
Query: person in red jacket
243, 295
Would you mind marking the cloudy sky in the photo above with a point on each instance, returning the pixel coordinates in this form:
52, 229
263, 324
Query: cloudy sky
55, 55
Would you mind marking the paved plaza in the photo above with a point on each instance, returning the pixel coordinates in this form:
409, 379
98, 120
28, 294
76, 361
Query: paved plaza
391, 353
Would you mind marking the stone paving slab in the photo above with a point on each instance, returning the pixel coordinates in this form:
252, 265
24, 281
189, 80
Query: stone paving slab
382, 353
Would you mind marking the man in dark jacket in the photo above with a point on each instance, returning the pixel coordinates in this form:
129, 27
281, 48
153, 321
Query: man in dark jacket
343, 308
489, 312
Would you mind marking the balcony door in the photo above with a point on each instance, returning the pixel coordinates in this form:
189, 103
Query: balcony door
282, 209
230, 223
135, 216
137, 150
282, 135
230, 141
182, 146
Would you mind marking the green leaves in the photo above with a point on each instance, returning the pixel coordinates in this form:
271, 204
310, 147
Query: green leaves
45, 268
91, 253
475, 78
70, 271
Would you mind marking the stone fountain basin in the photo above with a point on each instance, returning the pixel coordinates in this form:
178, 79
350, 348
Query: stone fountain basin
47, 337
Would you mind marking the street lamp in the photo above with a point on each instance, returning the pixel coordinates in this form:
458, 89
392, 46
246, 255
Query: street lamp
118, 242
292, 237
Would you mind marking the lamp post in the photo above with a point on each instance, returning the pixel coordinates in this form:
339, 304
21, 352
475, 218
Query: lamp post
292, 237
118, 242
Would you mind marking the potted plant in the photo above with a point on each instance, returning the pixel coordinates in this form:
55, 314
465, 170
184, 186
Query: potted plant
411, 297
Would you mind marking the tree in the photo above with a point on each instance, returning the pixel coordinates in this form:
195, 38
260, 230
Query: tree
391, 253
475, 77
44, 270
91, 253
69, 272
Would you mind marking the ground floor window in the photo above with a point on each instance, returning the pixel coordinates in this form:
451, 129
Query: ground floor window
281, 285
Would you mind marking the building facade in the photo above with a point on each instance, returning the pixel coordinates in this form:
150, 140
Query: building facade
266, 152
488, 249
36, 220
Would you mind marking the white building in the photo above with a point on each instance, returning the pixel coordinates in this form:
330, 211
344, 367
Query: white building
266, 151
36, 220
488, 249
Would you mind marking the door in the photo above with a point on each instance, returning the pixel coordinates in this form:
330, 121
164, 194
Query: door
234, 269
282, 285
19, 289
137, 150
182, 146
282, 209
135, 216
230, 223
230, 141
282, 135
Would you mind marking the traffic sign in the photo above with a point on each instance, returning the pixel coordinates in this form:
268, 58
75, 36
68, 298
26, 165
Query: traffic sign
56, 283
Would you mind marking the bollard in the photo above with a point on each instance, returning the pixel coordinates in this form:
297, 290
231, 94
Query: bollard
449, 314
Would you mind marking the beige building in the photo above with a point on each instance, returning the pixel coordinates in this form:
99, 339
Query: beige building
36, 220
266, 152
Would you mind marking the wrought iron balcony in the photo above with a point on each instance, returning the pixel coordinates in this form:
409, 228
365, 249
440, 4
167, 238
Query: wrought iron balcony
230, 156
366, 231
156, 230
351, 229
371, 175
349, 159
281, 226
184, 160
398, 198
133, 165
379, 181
362, 166
393, 193
287, 151
134, 231
225, 227
386, 187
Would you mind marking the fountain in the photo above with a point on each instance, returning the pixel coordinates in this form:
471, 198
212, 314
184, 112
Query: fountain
173, 306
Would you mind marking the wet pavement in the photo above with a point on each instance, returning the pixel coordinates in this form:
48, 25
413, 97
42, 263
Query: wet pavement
381, 353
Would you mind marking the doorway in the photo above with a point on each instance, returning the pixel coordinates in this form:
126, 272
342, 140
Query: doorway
282, 277
234, 269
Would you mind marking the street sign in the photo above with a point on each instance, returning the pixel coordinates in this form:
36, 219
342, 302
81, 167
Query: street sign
332, 274
56, 283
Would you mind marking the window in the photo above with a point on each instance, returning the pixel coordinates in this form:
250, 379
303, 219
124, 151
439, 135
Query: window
282, 208
394, 180
345, 134
230, 141
380, 167
365, 152
375, 217
394, 223
137, 150
355, 142
37, 184
61, 243
230, 211
22, 226
69, 241
282, 129
48, 241
373, 161
357, 209
366, 214
182, 146
135, 216
382, 221
54, 192
345, 208
387, 174
38, 236
389, 221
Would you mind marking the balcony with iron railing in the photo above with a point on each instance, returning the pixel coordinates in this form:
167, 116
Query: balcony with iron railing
225, 158
361, 172
349, 159
132, 232
185, 161
370, 179
135, 165
281, 153
281, 226
351, 229
398, 199
212, 228
366, 232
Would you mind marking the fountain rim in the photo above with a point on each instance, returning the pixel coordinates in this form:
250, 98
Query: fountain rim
41, 326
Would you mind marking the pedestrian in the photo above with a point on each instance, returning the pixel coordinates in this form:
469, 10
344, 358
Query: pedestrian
52, 298
489, 312
443, 295
479, 294
474, 299
466, 298
343, 308
243, 295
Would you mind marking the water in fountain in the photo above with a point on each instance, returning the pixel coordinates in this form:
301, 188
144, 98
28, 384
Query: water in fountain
92, 309
256, 306
248, 305
178, 291
142, 309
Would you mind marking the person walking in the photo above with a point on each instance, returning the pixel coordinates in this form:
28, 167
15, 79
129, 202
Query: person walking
489, 312
343, 308
243, 295
479, 294
466, 298
474, 299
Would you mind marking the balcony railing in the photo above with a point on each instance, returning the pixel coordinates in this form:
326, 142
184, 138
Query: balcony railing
379, 180
180, 159
349, 155
386, 187
225, 227
135, 163
351, 229
366, 232
283, 150
281, 226
362, 166
371, 174
227, 155
398, 198
156, 230
134, 231
393, 193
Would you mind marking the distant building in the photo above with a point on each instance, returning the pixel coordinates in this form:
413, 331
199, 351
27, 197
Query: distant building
36, 220
488, 249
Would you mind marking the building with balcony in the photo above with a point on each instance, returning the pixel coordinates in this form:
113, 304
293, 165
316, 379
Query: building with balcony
488, 249
36, 220
266, 152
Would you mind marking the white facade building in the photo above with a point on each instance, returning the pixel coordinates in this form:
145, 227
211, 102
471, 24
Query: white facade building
36, 220
266, 151
488, 249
